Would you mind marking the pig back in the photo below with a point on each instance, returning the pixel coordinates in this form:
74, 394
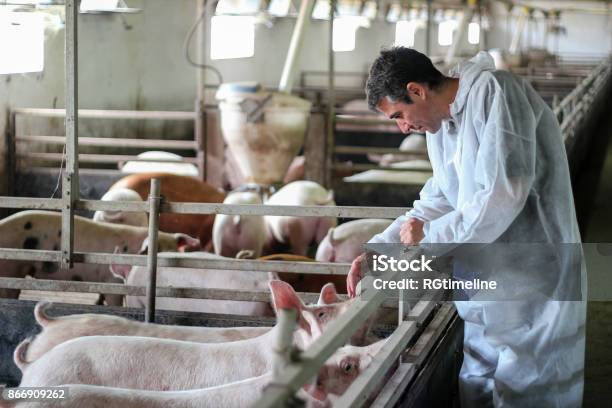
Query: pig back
179, 188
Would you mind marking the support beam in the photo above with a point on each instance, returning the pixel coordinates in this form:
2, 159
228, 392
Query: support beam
295, 46
70, 178
154, 200
331, 100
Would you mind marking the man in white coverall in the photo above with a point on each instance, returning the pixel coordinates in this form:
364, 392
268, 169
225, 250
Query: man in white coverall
500, 175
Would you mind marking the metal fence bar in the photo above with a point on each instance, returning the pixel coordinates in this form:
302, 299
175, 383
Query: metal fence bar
100, 158
70, 179
377, 150
365, 167
108, 114
204, 208
360, 120
132, 290
160, 291
295, 375
367, 382
284, 342
31, 203
154, 200
112, 142
170, 259
391, 392
250, 209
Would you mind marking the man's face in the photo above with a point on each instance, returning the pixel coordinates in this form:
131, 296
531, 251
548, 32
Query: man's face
419, 116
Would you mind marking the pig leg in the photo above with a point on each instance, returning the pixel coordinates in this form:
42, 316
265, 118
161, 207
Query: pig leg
323, 226
297, 241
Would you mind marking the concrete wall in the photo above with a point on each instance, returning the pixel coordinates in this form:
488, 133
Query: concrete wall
137, 62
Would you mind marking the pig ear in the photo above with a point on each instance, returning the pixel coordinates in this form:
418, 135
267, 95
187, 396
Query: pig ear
120, 271
284, 297
185, 243
144, 248
374, 348
328, 295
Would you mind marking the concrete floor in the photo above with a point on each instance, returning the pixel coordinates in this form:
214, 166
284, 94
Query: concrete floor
598, 368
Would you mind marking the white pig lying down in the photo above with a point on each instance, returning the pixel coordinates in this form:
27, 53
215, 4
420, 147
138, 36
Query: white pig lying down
198, 278
234, 233
300, 232
42, 230
167, 365
239, 394
137, 219
345, 242
57, 330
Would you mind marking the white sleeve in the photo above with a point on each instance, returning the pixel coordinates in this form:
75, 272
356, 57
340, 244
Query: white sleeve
505, 171
392, 234
432, 203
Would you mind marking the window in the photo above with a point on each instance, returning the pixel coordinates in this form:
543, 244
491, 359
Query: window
345, 30
232, 37
445, 32
99, 5
237, 7
404, 32
279, 8
22, 42
474, 33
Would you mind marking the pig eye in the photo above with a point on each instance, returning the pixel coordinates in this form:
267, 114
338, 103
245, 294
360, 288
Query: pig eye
347, 367
321, 314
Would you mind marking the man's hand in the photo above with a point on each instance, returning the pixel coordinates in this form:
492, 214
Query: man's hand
411, 232
354, 276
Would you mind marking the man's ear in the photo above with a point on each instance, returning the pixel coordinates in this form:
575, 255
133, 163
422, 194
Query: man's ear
416, 90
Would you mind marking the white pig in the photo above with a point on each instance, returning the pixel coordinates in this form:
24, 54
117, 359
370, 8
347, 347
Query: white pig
233, 233
137, 219
42, 230
239, 394
345, 242
161, 364
60, 329
198, 278
300, 232
57, 330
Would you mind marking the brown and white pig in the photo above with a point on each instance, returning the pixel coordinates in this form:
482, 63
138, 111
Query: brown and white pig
234, 233
137, 219
162, 364
239, 394
345, 242
300, 232
42, 230
177, 188
198, 278
56, 330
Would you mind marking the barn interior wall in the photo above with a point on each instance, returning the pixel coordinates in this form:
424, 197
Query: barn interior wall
137, 62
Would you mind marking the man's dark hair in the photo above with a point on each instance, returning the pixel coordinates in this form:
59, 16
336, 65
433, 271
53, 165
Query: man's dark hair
394, 69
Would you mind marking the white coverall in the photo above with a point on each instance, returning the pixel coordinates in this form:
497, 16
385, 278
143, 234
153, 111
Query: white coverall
500, 174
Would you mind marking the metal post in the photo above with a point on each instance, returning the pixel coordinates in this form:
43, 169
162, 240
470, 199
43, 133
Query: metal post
331, 100
70, 180
291, 63
428, 28
284, 341
200, 117
200, 135
462, 30
11, 153
154, 201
